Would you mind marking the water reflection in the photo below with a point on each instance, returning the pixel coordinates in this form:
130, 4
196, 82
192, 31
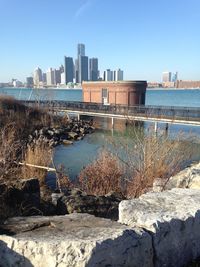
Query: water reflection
81, 153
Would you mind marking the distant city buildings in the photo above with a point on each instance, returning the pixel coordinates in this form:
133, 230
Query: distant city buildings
169, 79
116, 75
78, 70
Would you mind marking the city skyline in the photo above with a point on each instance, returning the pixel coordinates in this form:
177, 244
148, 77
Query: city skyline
144, 38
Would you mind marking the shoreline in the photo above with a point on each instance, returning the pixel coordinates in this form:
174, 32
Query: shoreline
66, 89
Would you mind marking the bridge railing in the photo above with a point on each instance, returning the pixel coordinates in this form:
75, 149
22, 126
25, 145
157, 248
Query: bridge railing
173, 113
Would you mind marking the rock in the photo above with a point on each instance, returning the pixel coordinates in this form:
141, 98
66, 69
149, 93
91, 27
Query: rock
79, 202
72, 135
188, 178
55, 197
50, 132
74, 240
172, 218
67, 142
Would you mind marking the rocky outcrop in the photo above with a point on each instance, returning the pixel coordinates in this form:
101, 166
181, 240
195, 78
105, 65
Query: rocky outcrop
188, 178
74, 240
78, 201
173, 220
74, 130
20, 198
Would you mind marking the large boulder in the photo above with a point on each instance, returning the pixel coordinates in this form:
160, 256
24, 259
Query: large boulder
75, 240
188, 178
173, 220
77, 201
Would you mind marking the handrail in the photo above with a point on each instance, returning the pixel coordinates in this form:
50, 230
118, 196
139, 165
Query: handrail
172, 112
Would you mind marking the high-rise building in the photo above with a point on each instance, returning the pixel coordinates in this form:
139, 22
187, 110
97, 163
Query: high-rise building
118, 75
93, 66
57, 76
29, 81
81, 50
166, 76
175, 76
37, 76
44, 77
82, 68
76, 70
69, 69
50, 76
108, 75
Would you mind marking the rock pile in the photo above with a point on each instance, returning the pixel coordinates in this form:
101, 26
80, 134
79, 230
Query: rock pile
75, 130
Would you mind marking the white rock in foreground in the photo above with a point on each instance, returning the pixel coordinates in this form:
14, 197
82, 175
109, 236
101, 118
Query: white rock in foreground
173, 219
74, 240
187, 178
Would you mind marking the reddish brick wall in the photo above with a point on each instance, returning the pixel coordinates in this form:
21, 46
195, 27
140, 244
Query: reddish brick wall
123, 92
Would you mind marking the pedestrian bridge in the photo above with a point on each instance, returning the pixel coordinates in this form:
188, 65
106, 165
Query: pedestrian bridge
163, 114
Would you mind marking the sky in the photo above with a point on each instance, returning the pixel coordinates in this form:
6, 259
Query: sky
142, 37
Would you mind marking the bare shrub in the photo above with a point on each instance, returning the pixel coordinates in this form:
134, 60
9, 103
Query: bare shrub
147, 156
101, 176
39, 154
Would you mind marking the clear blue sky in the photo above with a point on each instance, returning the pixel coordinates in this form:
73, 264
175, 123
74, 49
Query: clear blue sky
142, 37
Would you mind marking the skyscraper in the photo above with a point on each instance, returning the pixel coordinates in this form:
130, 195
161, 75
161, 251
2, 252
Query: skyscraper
50, 76
175, 76
29, 81
69, 69
81, 50
166, 76
118, 75
93, 66
108, 75
82, 68
81, 64
37, 76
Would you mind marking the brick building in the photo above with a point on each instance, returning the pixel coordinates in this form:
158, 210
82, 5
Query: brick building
115, 92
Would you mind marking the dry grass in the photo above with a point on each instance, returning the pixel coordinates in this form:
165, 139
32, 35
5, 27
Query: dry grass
102, 176
10, 147
38, 154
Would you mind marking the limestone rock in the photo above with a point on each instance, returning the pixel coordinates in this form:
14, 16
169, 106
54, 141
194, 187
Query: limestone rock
188, 178
173, 219
74, 240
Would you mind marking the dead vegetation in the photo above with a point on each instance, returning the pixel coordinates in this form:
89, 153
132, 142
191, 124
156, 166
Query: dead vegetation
133, 164
39, 154
102, 176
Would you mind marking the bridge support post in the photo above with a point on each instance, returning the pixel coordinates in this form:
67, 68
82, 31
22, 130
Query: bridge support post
156, 126
112, 122
78, 117
166, 127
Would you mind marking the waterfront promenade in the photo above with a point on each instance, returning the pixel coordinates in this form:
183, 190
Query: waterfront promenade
163, 114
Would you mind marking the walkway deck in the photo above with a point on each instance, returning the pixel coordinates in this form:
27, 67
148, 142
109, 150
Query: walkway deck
166, 114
